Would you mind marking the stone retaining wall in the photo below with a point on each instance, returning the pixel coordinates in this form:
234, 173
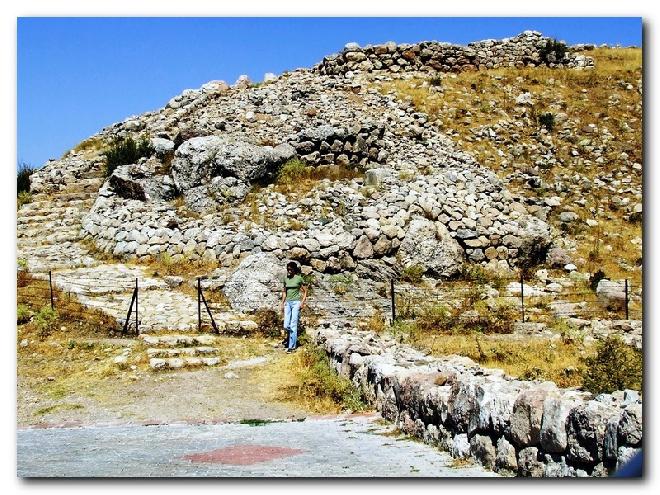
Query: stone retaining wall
528, 428
526, 49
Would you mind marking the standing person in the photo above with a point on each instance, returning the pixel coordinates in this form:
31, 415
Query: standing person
292, 304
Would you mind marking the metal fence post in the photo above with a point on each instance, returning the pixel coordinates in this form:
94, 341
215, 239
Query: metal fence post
199, 305
627, 299
50, 284
137, 327
522, 296
393, 303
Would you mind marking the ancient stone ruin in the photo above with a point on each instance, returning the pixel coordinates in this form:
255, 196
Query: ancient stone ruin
412, 199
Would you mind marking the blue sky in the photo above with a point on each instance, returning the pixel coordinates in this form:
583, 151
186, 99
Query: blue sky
78, 75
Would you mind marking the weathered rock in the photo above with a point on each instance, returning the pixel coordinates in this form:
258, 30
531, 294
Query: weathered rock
460, 447
527, 417
528, 463
430, 246
505, 457
482, 448
363, 248
630, 425
587, 424
200, 159
256, 282
553, 436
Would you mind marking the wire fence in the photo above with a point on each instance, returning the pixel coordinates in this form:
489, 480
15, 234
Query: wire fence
396, 299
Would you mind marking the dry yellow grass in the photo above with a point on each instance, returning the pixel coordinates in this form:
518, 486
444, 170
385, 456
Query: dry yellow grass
531, 358
305, 379
164, 265
606, 96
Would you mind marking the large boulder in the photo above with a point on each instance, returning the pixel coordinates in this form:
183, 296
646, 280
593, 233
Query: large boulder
200, 159
194, 161
256, 283
586, 428
249, 162
137, 181
527, 415
554, 438
429, 245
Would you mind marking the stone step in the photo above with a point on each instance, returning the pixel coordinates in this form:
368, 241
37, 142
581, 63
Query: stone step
48, 222
186, 362
62, 198
179, 340
60, 232
182, 352
53, 239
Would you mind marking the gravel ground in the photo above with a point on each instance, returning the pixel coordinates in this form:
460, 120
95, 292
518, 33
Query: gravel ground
164, 397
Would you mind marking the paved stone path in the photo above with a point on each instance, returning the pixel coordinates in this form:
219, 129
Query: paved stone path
49, 239
352, 446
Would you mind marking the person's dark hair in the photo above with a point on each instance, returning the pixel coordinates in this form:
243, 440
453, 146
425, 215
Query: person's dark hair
294, 267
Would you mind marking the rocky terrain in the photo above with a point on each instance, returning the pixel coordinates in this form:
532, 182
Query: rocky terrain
367, 168
530, 428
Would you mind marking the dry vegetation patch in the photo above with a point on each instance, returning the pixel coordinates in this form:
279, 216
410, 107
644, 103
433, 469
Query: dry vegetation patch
583, 129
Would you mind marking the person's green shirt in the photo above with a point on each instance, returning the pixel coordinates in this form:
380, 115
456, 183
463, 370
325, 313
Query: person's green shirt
292, 286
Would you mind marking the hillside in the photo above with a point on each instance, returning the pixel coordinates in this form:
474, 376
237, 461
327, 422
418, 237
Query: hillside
569, 141
467, 219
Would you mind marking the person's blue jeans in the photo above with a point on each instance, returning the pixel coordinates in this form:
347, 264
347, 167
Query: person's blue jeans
291, 315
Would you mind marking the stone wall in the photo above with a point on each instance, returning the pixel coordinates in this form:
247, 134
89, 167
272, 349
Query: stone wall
519, 51
528, 428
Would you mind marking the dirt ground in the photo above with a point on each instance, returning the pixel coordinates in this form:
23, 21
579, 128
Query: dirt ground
83, 387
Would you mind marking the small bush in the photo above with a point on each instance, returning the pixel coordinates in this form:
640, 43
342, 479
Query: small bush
595, 279
24, 198
438, 318
553, 48
413, 274
569, 333
376, 323
616, 366
341, 283
436, 81
318, 379
291, 172
45, 320
125, 152
23, 314
23, 178
547, 120
270, 322
480, 276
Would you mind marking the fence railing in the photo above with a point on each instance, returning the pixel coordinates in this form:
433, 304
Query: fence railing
405, 300
410, 301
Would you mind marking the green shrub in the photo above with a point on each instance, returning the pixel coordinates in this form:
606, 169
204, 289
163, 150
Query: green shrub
341, 283
595, 278
125, 152
437, 318
23, 314
292, 171
547, 120
436, 81
480, 276
318, 379
616, 366
553, 47
24, 197
45, 320
413, 274
570, 334
23, 178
